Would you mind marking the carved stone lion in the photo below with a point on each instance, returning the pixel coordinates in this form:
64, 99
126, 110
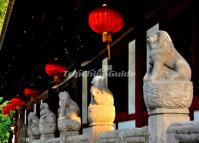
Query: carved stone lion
100, 94
68, 113
67, 105
47, 122
165, 63
33, 124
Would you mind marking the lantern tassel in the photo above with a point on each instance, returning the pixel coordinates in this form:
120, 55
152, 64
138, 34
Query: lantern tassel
109, 52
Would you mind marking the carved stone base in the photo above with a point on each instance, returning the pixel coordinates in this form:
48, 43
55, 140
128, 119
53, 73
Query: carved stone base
78, 139
44, 137
168, 94
66, 134
158, 124
54, 140
47, 127
134, 135
33, 138
101, 114
97, 129
101, 119
167, 102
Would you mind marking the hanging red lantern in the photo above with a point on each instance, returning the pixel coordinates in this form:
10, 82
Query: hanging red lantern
56, 71
105, 20
17, 101
31, 92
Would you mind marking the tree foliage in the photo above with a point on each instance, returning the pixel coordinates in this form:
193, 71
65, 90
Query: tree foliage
3, 9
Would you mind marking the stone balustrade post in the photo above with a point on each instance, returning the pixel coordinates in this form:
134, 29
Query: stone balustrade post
168, 91
101, 111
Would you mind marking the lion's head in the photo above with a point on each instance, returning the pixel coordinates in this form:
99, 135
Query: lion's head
100, 94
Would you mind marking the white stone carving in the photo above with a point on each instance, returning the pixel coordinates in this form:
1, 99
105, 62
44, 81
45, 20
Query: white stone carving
68, 111
47, 123
134, 135
168, 91
186, 132
168, 94
101, 111
78, 139
100, 94
165, 63
69, 121
33, 127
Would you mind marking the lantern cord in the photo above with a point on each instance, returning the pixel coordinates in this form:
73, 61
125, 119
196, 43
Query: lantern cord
109, 52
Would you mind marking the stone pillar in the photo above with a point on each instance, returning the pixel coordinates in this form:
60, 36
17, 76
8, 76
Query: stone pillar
22, 128
167, 102
101, 111
32, 139
69, 122
45, 137
67, 128
33, 127
66, 134
101, 119
168, 91
47, 130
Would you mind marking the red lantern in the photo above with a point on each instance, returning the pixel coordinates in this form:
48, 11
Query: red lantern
32, 92
17, 101
56, 71
106, 21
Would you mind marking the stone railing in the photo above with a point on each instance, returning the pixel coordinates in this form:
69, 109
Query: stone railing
187, 132
135, 135
78, 139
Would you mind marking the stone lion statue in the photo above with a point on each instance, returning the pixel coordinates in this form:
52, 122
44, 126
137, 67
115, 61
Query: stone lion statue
47, 122
33, 124
100, 94
67, 105
165, 63
68, 113
45, 114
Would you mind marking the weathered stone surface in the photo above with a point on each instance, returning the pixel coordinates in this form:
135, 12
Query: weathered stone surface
21, 128
139, 135
78, 139
183, 132
46, 138
168, 91
168, 94
64, 135
165, 63
100, 94
68, 111
101, 114
69, 121
158, 124
47, 122
101, 111
54, 140
33, 127
69, 124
